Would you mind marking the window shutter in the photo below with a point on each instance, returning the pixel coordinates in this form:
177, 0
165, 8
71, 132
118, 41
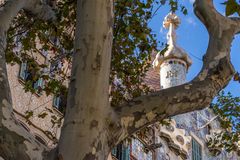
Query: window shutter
23, 71
35, 85
125, 153
39, 83
56, 101
196, 150
114, 151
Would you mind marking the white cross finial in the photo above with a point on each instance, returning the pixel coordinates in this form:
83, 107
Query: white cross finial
171, 22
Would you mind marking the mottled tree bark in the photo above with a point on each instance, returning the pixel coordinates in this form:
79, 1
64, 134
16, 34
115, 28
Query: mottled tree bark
15, 142
92, 127
85, 129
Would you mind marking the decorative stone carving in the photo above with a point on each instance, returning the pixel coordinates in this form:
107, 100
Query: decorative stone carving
170, 128
171, 18
212, 139
180, 139
177, 141
146, 135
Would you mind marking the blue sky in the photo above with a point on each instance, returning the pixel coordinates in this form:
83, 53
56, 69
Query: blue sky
193, 37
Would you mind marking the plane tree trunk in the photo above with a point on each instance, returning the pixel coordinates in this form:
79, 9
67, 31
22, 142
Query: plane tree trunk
85, 129
91, 126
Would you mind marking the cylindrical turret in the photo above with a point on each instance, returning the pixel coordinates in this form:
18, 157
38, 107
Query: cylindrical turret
172, 73
174, 63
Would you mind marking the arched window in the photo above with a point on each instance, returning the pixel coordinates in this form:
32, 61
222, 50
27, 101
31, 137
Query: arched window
24, 126
40, 140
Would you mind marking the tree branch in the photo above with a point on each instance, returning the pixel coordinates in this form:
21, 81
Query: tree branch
208, 122
237, 20
88, 104
15, 142
216, 73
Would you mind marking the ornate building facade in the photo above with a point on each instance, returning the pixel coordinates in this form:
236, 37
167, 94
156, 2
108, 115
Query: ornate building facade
39, 113
185, 136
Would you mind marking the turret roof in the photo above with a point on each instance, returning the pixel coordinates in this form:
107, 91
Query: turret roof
172, 22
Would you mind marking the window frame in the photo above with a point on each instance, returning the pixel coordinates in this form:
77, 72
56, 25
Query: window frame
200, 143
58, 99
23, 75
121, 152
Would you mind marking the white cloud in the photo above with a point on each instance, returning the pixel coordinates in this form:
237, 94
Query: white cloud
161, 30
191, 21
191, 1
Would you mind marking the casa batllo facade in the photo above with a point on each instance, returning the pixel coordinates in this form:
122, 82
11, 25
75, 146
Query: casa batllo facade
184, 137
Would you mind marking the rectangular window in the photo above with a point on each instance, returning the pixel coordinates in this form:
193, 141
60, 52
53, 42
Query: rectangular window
114, 151
39, 84
121, 152
125, 152
56, 102
60, 102
26, 75
23, 71
196, 150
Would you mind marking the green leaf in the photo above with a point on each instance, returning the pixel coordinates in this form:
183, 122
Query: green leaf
231, 7
42, 115
29, 114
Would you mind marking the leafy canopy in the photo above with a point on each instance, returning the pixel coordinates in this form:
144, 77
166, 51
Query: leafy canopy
133, 42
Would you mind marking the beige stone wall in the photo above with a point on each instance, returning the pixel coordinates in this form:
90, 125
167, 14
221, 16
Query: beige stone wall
23, 102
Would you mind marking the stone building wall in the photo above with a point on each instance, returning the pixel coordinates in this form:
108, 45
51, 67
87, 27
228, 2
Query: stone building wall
172, 73
192, 124
23, 102
175, 141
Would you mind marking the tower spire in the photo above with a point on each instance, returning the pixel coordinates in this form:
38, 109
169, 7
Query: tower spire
171, 22
175, 62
